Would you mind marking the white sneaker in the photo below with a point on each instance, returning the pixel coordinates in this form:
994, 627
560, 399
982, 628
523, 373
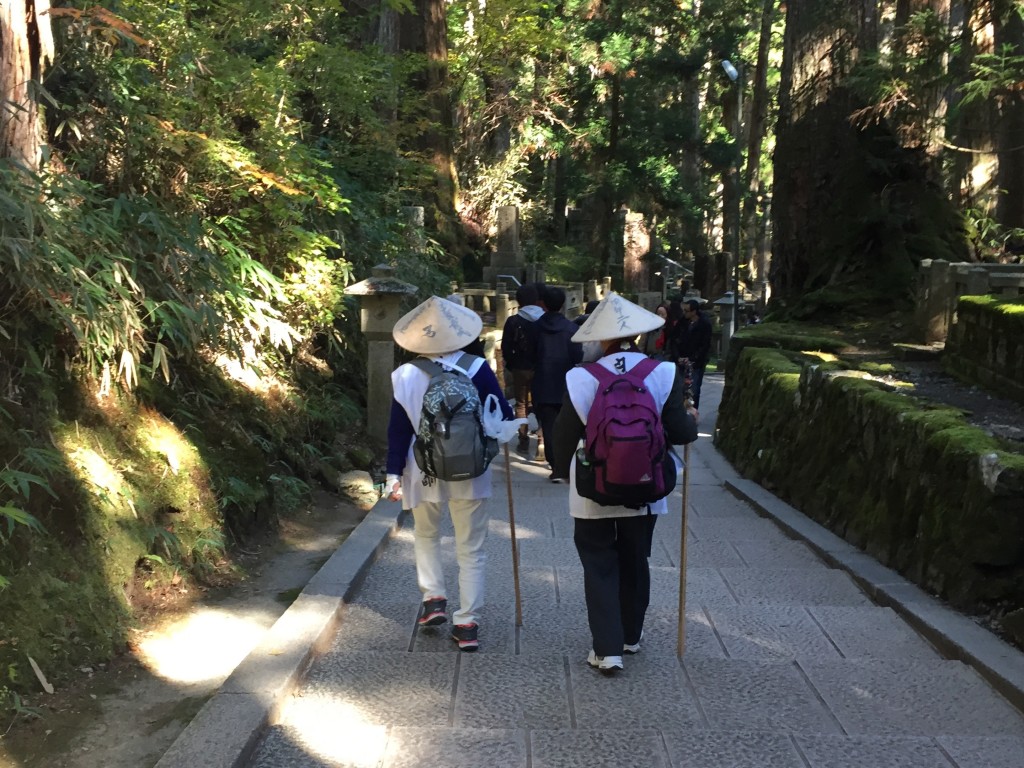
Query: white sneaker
635, 647
606, 664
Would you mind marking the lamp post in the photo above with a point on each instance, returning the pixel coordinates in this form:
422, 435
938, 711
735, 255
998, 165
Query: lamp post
735, 74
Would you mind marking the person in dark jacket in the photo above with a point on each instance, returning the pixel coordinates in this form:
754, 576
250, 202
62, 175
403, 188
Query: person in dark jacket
692, 342
519, 354
614, 542
556, 354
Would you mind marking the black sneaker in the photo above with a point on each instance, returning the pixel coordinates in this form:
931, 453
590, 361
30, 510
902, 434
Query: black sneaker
435, 611
465, 636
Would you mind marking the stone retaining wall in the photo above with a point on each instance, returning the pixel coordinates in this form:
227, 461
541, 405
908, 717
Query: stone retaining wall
915, 486
986, 344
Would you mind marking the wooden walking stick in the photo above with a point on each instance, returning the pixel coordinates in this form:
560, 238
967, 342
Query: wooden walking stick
512, 530
681, 644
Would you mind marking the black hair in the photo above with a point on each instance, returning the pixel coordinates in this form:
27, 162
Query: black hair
675, 311
694, 305
591, 306
553, 298
527, 294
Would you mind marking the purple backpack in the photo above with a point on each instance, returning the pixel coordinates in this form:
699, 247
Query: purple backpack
625, 460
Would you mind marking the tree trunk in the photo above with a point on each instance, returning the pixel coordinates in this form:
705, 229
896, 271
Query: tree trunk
1009, 32
694, 240
754, 255
851, 205
426, 32
25, 44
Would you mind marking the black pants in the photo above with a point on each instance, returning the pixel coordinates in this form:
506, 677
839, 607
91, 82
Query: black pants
616, 578
546, 415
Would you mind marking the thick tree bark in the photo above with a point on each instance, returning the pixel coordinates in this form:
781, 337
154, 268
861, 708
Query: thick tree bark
426, 32
754, 254
851, 205
1009, 31
25, 44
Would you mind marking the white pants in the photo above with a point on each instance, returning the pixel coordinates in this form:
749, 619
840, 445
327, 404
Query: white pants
470, 524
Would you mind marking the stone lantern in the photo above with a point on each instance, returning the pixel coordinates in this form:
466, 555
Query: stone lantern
380, 304
728, 316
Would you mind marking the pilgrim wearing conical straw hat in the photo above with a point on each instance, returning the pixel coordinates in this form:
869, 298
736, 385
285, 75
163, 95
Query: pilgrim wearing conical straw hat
441, 330
437, 326
617, 318
614, 540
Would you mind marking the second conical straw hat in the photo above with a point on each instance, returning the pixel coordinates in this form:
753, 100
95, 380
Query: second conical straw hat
617, 318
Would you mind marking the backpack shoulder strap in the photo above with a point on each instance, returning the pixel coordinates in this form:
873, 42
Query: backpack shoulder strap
429, 367
643, 369
599, 372
465, 363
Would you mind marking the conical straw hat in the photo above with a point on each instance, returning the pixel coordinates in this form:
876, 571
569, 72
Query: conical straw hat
437, 326
617, 318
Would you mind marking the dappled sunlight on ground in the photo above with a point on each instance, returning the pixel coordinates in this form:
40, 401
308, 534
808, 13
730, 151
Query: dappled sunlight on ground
337, 732
203, 647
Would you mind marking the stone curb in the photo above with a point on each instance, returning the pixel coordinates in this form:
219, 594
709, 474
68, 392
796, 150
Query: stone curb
226, 730
953, 635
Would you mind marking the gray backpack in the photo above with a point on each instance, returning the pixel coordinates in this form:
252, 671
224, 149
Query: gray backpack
450, 441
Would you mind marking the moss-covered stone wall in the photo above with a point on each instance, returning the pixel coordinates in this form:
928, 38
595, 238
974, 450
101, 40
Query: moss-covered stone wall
915, 486
986, 344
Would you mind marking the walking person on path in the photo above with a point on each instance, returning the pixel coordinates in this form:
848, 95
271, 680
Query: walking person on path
614, 540
519, 355
556, 354
437, 330
692, 341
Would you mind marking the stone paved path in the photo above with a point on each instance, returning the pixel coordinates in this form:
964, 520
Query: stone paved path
788, 663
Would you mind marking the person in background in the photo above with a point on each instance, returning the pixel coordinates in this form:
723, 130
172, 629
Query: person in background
614, 542
653, 343
586, 312
519, 353
691, 342
556, 354
438, 330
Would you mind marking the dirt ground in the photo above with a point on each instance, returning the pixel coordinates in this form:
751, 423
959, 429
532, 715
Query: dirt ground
126, 714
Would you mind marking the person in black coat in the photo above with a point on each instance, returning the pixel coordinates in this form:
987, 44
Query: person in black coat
557, 353
519, 353
691, 340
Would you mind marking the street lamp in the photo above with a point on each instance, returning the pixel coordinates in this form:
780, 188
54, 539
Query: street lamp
735, 74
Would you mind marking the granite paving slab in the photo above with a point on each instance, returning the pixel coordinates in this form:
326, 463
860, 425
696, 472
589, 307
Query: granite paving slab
381, 627
598, 748
984, 752
784, 554
652, 689
705, 553
871, 633
770, 632
739, 695
410, 747
384, 688
736, 529
871, 752
501, 690
312, 742
914, 698
793, 586
735, 749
